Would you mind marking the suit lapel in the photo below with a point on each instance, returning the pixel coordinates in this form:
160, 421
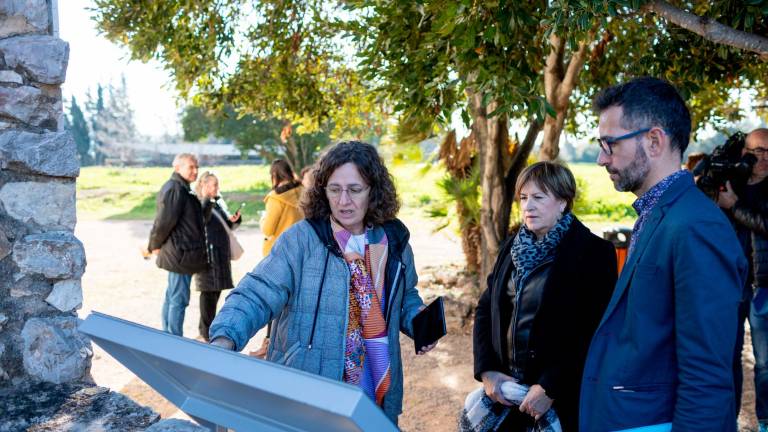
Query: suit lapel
651, 224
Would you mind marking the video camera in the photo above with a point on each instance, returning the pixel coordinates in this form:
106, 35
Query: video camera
726, 163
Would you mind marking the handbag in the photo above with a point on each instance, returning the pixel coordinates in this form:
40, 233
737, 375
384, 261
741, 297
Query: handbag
235, 248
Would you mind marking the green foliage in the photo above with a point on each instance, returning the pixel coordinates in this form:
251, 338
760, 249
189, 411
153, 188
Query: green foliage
79, 129
425, 54
636, 43
271, 59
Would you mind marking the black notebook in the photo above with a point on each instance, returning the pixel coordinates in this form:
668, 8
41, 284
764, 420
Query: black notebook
429, 324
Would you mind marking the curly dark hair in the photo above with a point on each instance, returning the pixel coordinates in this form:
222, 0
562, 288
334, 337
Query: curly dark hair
383, 202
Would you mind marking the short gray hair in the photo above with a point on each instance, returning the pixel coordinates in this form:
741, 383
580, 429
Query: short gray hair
183, 156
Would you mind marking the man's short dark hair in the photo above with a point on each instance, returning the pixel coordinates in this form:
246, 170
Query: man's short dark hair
649, 102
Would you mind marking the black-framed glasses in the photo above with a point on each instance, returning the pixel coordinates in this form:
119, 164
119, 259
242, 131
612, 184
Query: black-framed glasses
607, 143
757, 151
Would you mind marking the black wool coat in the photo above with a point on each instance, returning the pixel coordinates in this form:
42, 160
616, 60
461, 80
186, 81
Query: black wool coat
576, 292
178, 229
218, 276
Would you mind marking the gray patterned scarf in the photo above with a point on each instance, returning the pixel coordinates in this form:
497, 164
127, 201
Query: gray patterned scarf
527, 253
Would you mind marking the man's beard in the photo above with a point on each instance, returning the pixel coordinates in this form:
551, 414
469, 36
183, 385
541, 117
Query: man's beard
632, 177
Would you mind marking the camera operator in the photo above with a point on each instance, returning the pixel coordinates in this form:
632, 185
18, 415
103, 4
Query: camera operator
747, 206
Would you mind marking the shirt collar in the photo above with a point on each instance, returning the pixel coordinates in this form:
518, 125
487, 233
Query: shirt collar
648, 201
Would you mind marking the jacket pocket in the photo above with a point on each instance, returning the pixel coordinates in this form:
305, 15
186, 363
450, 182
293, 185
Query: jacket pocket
642, 388
290, 355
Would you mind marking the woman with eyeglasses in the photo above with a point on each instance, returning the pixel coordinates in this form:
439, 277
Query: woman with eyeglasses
544, 299
340, 285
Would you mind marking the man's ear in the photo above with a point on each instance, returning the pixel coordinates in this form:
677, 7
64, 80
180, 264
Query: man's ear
658, 142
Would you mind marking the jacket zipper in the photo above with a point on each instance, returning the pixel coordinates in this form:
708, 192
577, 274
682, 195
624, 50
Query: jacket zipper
517, 306
393, 291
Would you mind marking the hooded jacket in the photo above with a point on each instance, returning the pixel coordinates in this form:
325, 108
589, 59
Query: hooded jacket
303, 284
282, 211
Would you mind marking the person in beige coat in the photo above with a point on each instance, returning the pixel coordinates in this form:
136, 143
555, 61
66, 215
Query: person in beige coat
282, 204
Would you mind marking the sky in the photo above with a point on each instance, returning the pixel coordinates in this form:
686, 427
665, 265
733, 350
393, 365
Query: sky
93, 60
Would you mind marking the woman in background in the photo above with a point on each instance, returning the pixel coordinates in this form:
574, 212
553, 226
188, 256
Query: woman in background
282, 204
218, 276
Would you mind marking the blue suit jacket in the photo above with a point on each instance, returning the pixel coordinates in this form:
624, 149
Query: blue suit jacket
663, 351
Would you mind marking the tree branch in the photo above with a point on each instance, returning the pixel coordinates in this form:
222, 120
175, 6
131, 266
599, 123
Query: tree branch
710, 29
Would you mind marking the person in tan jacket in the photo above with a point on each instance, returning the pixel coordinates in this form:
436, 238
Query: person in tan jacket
282, 204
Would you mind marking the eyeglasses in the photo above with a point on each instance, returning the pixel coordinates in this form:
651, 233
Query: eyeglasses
757, 151
607, 143
354, 192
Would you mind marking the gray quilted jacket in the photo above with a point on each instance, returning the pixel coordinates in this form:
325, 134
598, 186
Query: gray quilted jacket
303, 284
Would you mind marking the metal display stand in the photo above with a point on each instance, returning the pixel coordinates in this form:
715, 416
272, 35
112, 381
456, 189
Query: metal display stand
223, 389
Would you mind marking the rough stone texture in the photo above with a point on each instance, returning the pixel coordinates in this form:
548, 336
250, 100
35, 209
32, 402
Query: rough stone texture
5, 246
55, 351
39, 407
43, 58
175, 425
27, 286
53, 153
49, 204
55, 255
3, 374
12, 77
31, 105
66, 295
23, 16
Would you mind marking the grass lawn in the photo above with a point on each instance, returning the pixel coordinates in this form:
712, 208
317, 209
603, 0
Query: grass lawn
129, 193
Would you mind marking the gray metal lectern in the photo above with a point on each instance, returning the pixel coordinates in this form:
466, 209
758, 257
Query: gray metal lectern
224, 389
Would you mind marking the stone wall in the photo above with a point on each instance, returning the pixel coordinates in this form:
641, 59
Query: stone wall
41, 261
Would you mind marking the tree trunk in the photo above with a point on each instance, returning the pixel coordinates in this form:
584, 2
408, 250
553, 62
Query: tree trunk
495, 160
559, 81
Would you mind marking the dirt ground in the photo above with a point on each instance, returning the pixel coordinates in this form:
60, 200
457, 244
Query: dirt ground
119, 282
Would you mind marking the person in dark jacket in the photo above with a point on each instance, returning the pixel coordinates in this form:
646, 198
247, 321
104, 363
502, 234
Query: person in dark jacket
544, 299
340, 285
178, 240
747, 207
218, 276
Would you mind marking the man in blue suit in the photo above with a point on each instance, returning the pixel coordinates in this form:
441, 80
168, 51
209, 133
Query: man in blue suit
662, 354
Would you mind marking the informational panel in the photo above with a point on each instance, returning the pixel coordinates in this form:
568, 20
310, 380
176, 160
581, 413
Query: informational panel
224, 389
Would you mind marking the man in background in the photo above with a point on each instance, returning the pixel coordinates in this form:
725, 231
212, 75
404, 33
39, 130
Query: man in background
178, 239
663, 352
747, 207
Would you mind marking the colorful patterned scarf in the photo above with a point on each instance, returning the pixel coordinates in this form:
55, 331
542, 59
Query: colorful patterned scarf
366, 353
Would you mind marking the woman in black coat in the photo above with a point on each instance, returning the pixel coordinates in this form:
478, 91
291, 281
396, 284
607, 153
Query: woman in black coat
218, 276
545, 297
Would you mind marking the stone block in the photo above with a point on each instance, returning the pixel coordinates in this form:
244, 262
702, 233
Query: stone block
30, 105
175, 425
55, 255
23, 16
53, 153
54, 351
41, 406
43, 58
7, 76
28, 286
50, 204
66, 295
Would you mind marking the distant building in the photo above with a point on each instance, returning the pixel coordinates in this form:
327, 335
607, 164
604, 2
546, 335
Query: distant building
161, 154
